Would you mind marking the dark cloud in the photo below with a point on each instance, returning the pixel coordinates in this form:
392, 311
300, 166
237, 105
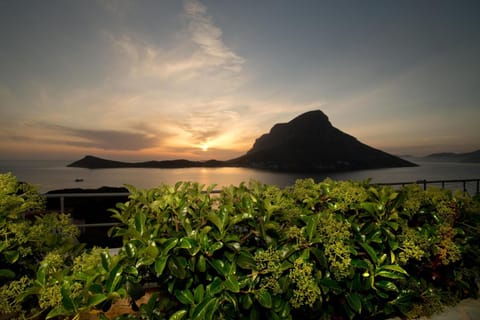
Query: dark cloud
113, 140
101, 139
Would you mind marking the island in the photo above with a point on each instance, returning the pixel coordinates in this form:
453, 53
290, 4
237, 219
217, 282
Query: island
309, 143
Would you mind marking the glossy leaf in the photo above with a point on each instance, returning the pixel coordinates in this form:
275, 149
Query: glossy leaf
389, 274
386, 285
106, 260
370, 251
160, 264
215, 286
354, 301
206, 309
67, 302
231, 283
394, 267
201, 263
168, 245
185, 296
114, 278
264, 298
57, 312
140, 222
96, 299
179, 315
130, 249
199, 293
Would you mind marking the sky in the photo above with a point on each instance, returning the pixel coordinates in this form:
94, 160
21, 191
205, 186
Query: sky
202, 79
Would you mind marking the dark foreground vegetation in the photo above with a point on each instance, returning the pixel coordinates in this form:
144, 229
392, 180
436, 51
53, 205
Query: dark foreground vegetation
329, 250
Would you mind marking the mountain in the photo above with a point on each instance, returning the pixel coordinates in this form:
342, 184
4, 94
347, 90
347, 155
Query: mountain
310, 143
472, 157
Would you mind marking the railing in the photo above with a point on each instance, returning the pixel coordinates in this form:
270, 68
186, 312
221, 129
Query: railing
443, 184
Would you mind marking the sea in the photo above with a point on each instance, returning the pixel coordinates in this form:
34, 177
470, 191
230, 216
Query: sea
48, 175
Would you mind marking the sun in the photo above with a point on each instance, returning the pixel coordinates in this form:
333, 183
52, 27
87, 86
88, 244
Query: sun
204, 147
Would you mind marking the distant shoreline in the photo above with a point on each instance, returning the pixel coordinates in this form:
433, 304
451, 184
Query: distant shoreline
91, 162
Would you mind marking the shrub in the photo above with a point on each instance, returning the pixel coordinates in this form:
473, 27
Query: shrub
27, 243
334, 249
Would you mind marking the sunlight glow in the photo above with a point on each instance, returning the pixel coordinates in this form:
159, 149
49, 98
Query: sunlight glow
204, 147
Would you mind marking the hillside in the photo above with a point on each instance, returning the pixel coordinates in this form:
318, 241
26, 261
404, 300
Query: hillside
310, 143
468, 157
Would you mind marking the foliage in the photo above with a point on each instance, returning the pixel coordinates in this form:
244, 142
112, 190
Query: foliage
27, 243
334, 249
312, 250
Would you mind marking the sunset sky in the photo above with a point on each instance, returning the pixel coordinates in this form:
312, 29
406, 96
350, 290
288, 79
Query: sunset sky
141, 80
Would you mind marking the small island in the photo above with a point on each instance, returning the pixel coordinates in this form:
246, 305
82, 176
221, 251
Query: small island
309, 143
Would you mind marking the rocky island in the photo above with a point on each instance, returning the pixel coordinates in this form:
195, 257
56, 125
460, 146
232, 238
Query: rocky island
308, 143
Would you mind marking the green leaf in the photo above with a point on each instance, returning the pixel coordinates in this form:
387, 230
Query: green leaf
389, 274
215, 219
328, 283
67, 302
199, 293
311, 227
185, 296
246, 301
106, 260
41, 275
160, 264
57, 312
131, 270
96, 299
140, 222
354, 301
178, 315
12, 256
189, 244
130, 249
214, 247
369, 206
114, 278
245, 260
6, 273
370, 251
219, 266
206, 309
215, 286
394, 267
201, 263
168, 245
176, 265
386, 285
264, 298
231, 283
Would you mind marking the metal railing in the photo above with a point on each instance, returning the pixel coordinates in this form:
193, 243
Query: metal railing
443, 183
424, 183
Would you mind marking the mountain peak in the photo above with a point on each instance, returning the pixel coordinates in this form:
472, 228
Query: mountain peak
311, 143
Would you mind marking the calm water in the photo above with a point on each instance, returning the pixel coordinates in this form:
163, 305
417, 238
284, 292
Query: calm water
51, 175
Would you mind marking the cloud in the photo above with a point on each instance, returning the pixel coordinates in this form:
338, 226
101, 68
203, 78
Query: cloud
196, 54
209, 37
90, 138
